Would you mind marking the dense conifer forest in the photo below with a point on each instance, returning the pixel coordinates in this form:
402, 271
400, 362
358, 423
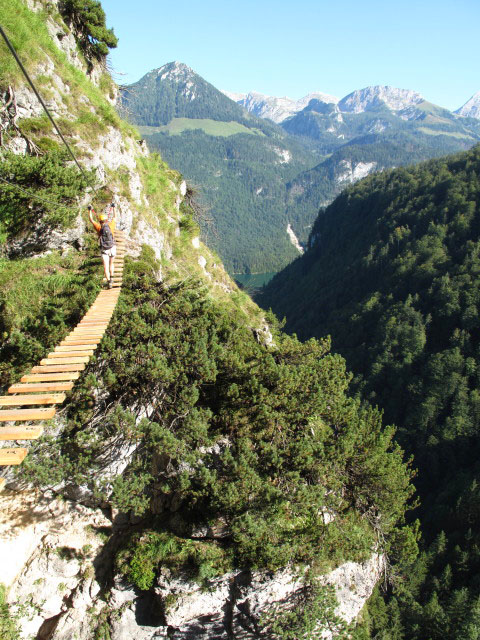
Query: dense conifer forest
393, 275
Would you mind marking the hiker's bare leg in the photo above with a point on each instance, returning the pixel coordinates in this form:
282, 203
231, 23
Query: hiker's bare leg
106, 265
112, 267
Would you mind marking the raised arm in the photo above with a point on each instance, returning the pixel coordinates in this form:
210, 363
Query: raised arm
91, 213
112, 216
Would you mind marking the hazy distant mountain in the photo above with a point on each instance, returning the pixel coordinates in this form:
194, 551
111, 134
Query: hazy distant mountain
371, 98
471, 109
277, 109
383, 111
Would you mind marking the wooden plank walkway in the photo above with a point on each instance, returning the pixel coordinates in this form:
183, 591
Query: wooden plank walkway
57, 372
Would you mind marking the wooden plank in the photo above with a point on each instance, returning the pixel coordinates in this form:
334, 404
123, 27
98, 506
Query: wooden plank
2, 484
75, 336
97, 326
41, 387
91, 342
50, 377
10, 415
84, 353
48, 362
104, 305
92, 325
84, 349
12, 456
79, 341
99, 313
92, 332
20, 433
43, 398
58, 368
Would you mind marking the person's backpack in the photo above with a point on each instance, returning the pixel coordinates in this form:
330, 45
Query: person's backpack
105, 238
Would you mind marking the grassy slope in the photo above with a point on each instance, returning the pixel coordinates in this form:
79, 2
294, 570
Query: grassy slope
210, 127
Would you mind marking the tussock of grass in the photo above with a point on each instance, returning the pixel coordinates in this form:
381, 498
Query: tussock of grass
40, 300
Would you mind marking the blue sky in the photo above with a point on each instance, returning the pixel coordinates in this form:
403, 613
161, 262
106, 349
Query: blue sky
296, 47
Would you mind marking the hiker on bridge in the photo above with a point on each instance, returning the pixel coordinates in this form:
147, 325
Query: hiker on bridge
105, 228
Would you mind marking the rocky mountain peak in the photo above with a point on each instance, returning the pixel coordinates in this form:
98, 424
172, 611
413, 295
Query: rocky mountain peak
471, 109
371, 98
174, 70
236, 97
317, 95
274, 108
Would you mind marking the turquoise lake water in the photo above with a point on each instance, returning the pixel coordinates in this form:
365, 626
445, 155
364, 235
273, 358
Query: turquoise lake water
252, 281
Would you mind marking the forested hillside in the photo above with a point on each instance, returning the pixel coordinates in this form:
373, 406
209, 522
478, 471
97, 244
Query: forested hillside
354, 160
393, 275
239, 163
242, 180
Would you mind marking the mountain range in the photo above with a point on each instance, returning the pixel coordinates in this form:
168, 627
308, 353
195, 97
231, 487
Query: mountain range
266, 165
279, 109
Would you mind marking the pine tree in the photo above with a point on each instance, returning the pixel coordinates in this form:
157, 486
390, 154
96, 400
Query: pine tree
87, 20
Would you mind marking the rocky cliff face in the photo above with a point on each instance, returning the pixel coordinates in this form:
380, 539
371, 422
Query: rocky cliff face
64, 584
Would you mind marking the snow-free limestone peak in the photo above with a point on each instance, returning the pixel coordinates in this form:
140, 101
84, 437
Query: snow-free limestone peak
371, 98
471, 109
274, 108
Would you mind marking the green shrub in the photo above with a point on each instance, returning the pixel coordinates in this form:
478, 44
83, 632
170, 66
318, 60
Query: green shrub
9, 628
38, 187
147, 552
